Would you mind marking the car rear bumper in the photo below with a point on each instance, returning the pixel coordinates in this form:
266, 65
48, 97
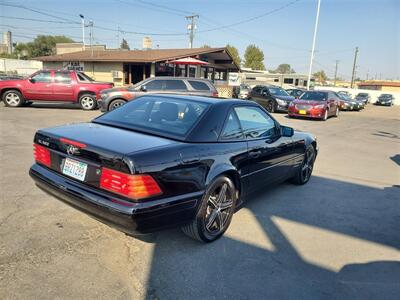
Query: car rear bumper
126, 216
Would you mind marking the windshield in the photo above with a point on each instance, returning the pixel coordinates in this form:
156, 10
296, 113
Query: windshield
315, 96
83, 77
362, 95
160, 116
385, 96
278, 92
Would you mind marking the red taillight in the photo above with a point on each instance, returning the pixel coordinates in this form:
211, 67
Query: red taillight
131, 186
42, 155
215, 94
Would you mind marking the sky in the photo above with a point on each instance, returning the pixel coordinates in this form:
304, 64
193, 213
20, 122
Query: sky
283, 29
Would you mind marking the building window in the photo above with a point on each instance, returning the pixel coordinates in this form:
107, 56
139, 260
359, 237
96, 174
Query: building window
288, 80
192, 71
220, 75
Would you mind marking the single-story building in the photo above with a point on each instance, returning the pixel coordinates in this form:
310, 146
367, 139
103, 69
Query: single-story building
124, 67
380, 85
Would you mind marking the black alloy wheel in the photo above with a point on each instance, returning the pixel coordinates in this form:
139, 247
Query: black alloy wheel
215, 213
304, 172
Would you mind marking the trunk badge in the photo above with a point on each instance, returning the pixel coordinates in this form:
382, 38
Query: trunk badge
72, 150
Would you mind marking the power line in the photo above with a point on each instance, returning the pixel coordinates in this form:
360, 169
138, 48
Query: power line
252, 18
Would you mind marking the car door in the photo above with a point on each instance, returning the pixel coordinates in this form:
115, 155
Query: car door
40, 86
175, 86
63, 89
256, 92
269, 153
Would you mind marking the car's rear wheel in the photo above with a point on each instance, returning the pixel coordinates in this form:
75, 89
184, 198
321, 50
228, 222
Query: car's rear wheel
215, 214
13, 98
116, 103
87, 101
270, 106
303, 174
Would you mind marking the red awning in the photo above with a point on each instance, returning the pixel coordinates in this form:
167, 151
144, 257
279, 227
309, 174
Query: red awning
188, 61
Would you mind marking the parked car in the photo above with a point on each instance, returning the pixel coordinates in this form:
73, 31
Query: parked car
170, 160
245, 91
111, 99
295, 92
315, 104
364, 97
346, 103
53, 86
385, 99
345, 93
272, 98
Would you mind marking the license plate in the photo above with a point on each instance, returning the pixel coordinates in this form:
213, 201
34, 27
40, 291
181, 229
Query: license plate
75, 169
302, 112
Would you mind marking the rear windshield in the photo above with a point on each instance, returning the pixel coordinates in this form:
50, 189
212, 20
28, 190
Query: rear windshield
315, 96
278, 92
161, 116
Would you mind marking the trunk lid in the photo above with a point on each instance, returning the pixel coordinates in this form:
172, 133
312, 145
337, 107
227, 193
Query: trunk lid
94, 146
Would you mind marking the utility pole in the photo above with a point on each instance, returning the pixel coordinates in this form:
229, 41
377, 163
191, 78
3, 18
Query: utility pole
336, 65
367, 74
354, 67
91, 35
191, 27
313, 46
83, 31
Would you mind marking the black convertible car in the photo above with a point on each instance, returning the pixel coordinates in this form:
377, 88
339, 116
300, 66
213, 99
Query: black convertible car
165, 160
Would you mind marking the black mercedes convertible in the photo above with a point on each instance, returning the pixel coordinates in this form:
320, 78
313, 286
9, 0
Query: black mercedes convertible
167, 160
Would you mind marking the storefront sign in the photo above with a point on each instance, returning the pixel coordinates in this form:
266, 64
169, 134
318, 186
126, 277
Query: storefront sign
233, 79
74, 66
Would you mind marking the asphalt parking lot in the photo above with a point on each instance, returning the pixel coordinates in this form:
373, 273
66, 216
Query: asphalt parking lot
336, 237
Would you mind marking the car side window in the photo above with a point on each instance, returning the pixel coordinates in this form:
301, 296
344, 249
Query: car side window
255, 122
198, 85
232, 129
174, 85
62, 77
155, 85
42, 77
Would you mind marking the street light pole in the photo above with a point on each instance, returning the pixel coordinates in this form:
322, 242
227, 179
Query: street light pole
313, 45
83, 31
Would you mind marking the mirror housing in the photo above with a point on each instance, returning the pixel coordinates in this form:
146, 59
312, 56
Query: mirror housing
32, 80
143, 88
287, 131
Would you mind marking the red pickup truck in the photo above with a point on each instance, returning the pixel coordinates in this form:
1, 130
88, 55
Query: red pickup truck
53, 86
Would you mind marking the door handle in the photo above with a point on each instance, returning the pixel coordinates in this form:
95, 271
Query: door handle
255, 153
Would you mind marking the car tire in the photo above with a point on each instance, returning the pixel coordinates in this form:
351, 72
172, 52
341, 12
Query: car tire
88, 101
325, 117
115, 104
270, 106
13, 98
304, 172
337, 112
215, 212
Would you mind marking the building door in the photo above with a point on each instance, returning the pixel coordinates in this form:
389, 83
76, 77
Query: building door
137, 72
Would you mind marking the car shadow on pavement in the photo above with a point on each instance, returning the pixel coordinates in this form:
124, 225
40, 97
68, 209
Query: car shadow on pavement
268, 252
42, 105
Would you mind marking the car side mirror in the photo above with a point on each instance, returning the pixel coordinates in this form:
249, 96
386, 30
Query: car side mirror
287, 131
264, 93
143, 88
32, 80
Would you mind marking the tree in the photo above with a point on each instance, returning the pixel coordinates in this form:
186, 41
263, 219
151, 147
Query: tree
42, 45
235, 54
320, 76
254, 58
124, 45
284, 69
205, 46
